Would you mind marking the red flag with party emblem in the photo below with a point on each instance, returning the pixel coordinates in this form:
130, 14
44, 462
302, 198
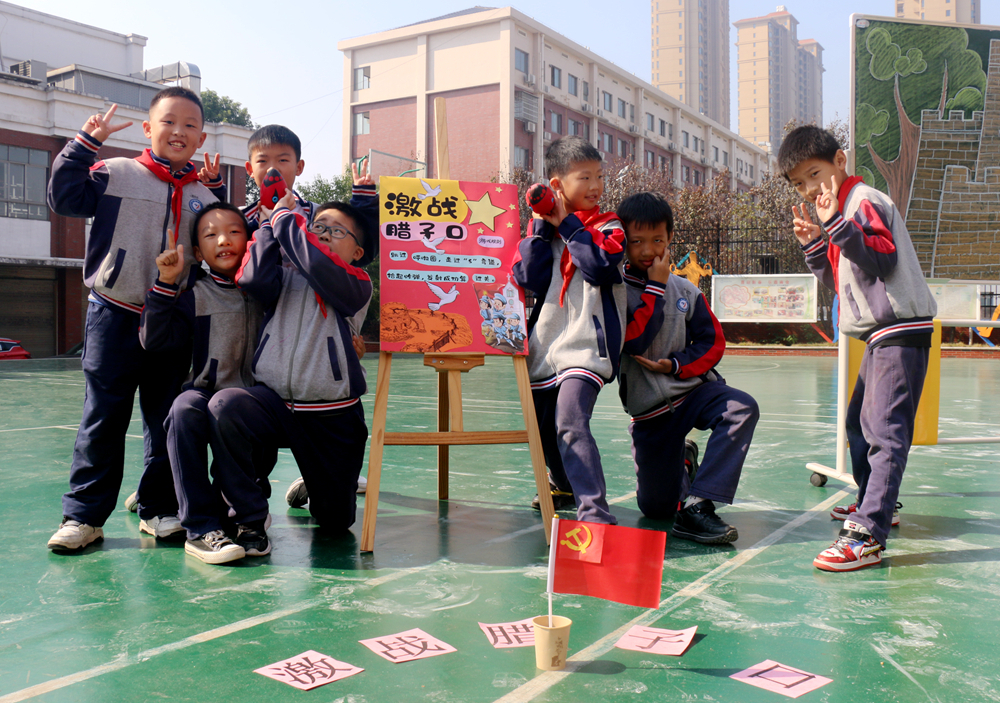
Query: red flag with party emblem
623, 564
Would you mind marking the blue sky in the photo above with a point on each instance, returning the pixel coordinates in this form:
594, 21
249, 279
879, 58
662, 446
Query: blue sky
281, 61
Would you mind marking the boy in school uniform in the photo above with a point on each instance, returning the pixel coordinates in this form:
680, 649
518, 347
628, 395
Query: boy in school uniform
223, 322
572, 263
669, 384
275, 146
309, 378
868, 259
133, 203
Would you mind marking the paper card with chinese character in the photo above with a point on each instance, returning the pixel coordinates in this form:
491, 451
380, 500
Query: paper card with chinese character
510, 634
308, 670
408, 646
778, 678
446, 252
654, 640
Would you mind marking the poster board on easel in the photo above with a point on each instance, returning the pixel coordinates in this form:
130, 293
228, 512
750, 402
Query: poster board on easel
445, 293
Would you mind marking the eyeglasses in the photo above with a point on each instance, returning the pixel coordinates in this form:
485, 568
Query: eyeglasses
336, 232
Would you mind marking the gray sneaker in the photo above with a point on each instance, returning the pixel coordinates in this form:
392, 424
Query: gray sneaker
163, 527
73, 535
132, 502
297, 496
214, 548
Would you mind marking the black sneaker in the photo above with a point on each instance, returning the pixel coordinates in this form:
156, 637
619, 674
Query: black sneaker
699, 523
253, 539
561, 500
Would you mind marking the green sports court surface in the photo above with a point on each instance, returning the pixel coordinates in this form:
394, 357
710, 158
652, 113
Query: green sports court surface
132, 619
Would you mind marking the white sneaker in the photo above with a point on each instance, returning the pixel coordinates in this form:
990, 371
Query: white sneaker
162, 526
132, 502
362, 484
214, 548
297, 495
73, 535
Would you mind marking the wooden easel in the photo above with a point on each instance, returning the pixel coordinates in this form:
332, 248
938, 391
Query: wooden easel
450, 367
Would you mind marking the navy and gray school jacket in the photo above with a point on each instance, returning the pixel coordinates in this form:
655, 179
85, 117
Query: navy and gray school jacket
672, 321
220, 321
870, 262
580, 336
252, 212
131, 211
305, 353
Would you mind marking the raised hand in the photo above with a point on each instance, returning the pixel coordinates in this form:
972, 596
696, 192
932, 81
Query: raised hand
287, 200
210, 171
100, 127
805, 229
171, 262
661, 366
361, 174
559, 212
827, 204
659, 270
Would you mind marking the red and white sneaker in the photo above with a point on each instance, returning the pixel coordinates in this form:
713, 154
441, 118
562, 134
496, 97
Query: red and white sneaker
854, 549
843, 512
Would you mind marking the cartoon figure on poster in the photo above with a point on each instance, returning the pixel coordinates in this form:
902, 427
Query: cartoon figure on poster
446, 244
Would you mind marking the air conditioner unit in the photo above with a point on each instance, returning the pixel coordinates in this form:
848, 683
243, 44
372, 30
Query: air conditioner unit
530, 127
704, 161
587, 107
633, 128
670, 145
30, 69
548, 136
529, 79
600, 114
545, 88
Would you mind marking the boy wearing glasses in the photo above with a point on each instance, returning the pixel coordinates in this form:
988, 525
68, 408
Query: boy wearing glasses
309, 378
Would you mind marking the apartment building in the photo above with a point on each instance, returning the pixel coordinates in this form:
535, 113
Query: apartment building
54, 74
511, 86
959, 11
690, 54
780, 77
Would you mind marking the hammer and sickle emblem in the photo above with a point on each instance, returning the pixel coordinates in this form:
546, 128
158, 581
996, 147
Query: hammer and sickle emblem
576, 542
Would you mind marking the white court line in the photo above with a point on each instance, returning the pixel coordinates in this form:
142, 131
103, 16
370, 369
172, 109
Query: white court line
207, 636
543, 682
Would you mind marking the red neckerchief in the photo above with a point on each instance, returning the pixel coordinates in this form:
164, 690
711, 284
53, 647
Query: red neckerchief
164, 174
592, 219
832, 250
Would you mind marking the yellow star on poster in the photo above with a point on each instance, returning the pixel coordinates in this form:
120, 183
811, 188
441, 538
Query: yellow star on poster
512, 207
483, 210
510, 225
479, 231
499, 189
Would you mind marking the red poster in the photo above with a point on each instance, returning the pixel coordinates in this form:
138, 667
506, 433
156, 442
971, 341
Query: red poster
446, 252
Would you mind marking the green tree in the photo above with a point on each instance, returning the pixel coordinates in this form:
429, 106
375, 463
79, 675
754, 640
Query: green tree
224, 110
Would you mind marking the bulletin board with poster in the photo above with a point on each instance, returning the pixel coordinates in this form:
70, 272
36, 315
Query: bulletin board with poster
776, 298
447, 247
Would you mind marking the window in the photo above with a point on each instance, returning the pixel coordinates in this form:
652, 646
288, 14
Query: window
361, 124
574, 128
697, 177
362, 77
522, 158
622, 148
725, 158
586, 91
555, 76
663, 163
715, 153
650, 121
608, 101
609, 143
23, 176
621, 107
663, 128
670, 131
750, 169
521, 61
650, 156
685, 140
686, 170
571, 84
556, 122
696, 143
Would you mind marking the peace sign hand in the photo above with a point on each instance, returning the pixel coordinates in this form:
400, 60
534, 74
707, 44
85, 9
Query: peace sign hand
100, 127
171, 262
209, 173
362, 174
827, 204
805, 229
